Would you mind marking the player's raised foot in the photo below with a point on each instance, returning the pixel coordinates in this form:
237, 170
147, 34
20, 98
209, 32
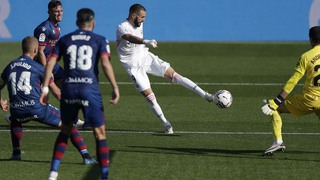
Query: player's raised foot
15, 158
89, 161
273, 148
7, 118
209, 97
53, 175
168, 129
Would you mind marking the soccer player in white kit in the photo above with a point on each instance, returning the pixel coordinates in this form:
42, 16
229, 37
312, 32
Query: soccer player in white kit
138, 62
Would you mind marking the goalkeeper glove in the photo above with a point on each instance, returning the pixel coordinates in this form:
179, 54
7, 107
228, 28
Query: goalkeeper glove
272, 105
152, 42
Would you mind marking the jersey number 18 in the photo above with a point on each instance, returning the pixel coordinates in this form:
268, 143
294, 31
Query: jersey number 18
82, 59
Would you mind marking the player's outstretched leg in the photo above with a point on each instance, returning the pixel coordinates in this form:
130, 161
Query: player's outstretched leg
156, 109
81, 146
187, 83
16, 135
276, 146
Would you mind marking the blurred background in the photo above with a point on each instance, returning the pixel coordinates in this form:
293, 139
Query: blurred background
175, 20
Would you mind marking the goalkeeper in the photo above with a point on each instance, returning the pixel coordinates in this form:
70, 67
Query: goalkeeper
300, 104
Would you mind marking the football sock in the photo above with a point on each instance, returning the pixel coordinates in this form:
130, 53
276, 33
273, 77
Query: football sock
78, 142
277, 125
58, 151
187, 83
102, 149
155, 108
16, 135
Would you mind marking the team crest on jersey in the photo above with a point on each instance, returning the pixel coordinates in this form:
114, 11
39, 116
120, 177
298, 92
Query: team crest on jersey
42, 37
43, 28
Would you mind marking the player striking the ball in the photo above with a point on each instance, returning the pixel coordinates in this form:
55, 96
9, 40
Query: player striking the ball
138, 62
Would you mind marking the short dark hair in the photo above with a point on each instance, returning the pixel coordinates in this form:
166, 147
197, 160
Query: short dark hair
84, 16
136, 8
314, 34
54, 3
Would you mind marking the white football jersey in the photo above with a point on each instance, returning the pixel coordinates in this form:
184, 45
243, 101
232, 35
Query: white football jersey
130, 53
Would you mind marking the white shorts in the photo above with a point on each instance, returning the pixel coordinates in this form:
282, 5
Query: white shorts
150, 65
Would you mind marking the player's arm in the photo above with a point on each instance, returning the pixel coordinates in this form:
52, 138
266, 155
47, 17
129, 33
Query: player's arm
55, 90
292, 82
3, 103
41, 33
273, 104
47, 75
42, 57
109, 73
137, 40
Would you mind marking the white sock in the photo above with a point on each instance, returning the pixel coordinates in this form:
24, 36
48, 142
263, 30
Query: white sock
187, 83
156, 109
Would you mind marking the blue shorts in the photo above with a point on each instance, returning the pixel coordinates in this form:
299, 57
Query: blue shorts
86, 98
49, 115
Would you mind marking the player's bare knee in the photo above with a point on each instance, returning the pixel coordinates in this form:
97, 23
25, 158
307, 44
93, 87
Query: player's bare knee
99, 132
169, 74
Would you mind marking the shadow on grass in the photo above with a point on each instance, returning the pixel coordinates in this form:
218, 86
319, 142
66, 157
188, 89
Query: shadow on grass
94, 171
256, 154
198, 151
27, 161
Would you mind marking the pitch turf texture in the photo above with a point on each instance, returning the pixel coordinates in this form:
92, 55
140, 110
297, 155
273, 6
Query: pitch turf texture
209, 143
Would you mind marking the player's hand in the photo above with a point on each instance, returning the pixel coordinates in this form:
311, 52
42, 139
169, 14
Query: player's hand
269, 108
44, 98
272, 105
4, 105
152, 42
115, 96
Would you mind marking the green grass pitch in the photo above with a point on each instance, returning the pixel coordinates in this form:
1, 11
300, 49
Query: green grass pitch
210, 143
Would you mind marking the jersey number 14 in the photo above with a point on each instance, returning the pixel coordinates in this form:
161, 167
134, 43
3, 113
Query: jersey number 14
23, 83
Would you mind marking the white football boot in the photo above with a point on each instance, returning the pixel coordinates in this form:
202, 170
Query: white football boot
53, 175
79, 124
168, 129
209, 97
273, 148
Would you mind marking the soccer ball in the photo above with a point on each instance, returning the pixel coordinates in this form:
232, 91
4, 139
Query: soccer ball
223, 98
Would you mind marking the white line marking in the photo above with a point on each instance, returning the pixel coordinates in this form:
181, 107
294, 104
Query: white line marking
176, 132
211, 84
